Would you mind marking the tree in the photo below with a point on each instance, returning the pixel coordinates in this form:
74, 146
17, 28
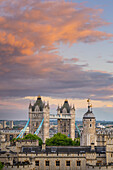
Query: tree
77, 142
61, 140
1, 166
33, 137
29, 136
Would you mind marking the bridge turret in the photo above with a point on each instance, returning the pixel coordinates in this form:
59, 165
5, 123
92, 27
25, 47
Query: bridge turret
37, 112
66, 119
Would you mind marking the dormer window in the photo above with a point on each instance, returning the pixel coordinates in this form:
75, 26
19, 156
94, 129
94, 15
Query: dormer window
37, 108
64, 110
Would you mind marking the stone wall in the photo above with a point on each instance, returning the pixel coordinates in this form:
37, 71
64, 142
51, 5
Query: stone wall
88, 135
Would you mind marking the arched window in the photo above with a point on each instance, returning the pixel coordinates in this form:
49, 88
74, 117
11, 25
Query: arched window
37, 108
64, 110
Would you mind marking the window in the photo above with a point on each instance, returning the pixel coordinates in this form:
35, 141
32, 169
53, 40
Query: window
78, 163
36, 163
90, 125
57, 163
67, 163
47, 163
90, 119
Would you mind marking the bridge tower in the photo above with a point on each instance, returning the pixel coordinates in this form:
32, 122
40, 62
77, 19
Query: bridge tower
66, 120
37, 112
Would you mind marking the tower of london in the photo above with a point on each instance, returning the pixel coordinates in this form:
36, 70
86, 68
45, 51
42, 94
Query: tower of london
95, 150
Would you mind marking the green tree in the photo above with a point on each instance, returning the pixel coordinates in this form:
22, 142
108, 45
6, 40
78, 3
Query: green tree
29, 136
77, 142
61, 140
33, 137
1, 166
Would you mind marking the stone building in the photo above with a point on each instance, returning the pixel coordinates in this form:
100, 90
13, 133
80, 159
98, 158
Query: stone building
4, 124
11, 124
103, 135
88, 134
37, 113
29, 155
95, 152
66, 120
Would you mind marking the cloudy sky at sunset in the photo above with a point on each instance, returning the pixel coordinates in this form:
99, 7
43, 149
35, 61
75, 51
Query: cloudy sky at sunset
58, 49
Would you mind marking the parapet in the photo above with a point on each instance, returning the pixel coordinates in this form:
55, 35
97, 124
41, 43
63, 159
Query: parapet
21, 143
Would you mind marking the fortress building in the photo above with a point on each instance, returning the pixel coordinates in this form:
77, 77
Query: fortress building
66, 120
95, 152
37, 113
88, 135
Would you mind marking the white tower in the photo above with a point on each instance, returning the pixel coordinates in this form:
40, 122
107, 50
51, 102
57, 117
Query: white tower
88, 135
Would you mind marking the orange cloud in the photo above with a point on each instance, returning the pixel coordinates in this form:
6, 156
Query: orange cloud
29, 26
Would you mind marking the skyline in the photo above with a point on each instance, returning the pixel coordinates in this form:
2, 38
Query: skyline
58, 49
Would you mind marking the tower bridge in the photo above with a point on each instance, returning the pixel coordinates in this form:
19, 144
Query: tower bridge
39, 117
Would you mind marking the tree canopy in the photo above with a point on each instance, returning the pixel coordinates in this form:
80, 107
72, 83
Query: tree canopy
29, 136
1, 166
33, 137
61, 140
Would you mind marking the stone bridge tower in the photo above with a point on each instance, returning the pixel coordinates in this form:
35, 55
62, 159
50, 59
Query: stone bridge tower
88, 134
66, 120
37, 112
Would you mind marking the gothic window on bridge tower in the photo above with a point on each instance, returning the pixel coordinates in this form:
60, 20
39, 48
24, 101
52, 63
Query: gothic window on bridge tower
64, 110
37, 109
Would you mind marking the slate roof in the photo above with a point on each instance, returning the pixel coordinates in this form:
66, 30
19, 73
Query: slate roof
66, 106
39, 103
64, 149
89, 114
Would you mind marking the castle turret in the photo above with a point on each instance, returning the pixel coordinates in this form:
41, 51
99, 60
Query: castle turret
88, 135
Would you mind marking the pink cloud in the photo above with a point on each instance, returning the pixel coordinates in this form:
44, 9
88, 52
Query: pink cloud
31, 25
29, 35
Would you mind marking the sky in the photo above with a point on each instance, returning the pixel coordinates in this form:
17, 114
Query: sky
58, 49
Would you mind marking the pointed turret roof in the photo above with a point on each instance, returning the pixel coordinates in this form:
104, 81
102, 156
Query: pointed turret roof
39, 103
66, 106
